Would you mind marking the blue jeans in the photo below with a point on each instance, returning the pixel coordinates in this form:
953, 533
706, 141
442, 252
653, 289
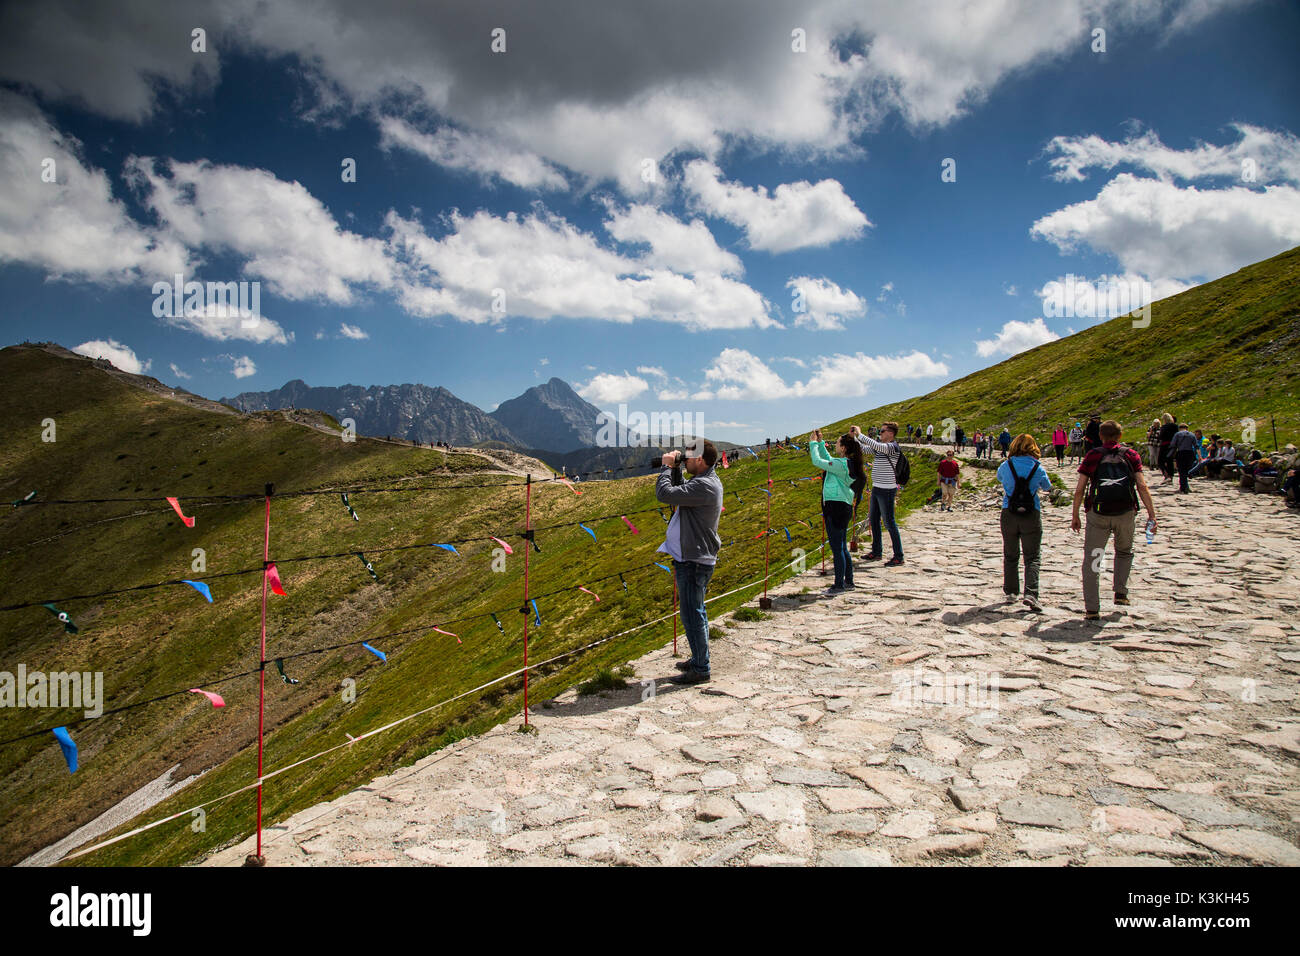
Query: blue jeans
838, 515
692, 585
882, 503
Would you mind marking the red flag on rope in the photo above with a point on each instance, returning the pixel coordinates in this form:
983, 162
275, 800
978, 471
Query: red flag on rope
176, 506
273, 578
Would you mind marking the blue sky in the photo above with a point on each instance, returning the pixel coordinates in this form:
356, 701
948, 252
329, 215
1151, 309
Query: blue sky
1167, 160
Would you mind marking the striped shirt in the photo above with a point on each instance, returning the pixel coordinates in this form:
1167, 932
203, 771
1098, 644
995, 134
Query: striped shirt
883, 455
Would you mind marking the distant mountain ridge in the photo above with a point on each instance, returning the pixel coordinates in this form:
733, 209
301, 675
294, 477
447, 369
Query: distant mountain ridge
417, 413
553, 416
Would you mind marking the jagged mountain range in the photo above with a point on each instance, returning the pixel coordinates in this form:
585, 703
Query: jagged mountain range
550, 417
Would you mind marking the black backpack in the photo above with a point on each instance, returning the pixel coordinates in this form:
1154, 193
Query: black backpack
902, 470
1021, 500
1113, 489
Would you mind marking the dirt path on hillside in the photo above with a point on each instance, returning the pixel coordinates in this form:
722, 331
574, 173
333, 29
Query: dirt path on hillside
915, 721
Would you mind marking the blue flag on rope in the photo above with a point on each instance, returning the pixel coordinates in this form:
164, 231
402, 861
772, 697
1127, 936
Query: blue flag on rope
588, 530
448, 547
201, 588
537, 616
380, 654
787, 533
67, 746
664, 566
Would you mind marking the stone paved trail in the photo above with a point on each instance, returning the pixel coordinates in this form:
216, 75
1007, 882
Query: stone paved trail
864, 729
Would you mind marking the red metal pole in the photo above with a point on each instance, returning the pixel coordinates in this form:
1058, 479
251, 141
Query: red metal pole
765, 601
261, 674
528, 546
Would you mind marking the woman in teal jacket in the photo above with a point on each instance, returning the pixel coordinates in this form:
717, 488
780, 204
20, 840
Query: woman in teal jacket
841, 488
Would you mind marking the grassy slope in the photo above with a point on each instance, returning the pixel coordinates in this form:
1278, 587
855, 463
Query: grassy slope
1216, 354
154, 641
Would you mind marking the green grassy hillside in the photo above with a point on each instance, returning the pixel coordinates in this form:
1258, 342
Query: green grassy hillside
1212, 356
116, 440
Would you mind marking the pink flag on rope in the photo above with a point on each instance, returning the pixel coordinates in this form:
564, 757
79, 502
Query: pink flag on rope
176, 506
215, 698
509, 550
273, 578
629, 524
592, 593
449, 634
566, 481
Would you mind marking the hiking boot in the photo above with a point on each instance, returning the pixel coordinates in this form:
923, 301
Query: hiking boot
683, 665
1010, 598
872, 557
1092, 616
1031, 601
893, 562
1122, 600
690, 677
833, 590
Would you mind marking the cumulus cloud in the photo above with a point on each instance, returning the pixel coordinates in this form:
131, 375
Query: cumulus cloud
1016, 337
472, 152
611, 389
213, 320
686, 248
1106, 297
821, 304
1158, 229
591, 88
545, 267
353, 332
284, 234
740, 375
178, 372
72, 228
1263, 155
793, 216
243, 366
120, 355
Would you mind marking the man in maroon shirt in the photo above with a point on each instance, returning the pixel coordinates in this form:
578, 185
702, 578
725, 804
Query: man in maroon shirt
949, 469
1111, 476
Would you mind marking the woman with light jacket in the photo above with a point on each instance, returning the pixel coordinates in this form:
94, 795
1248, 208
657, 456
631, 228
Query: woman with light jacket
841, 489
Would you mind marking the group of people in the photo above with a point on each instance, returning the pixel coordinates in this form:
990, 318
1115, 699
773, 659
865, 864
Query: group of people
1110, 492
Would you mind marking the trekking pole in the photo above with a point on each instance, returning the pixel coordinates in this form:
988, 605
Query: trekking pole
1274, 424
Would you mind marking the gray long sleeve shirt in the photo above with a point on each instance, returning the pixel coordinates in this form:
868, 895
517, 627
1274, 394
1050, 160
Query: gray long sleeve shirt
694, 526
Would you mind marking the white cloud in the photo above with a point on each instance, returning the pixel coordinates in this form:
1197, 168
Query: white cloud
694, 80
686, 248
1016, 337
285, 234
244, 367
120, 355
652, 370
474, 152
1158, 229
224, 323
1010, 290
1269, 156
353, 332
548, 268
543, 361
739, 375
176, 370
794, 216
610, 389
673, 394
824, 304
73, 228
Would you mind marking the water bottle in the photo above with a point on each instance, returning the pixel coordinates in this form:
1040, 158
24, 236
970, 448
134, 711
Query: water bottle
1151, 530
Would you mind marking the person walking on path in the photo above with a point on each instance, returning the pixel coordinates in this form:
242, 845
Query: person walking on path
1092, 434
1004, 441
929, 434
978, 441
692, 541
1183, 447
1058, 445
884, 488
1168, 429
961, 439
1110, 482
949, 472
1076, 443
841, 490
1153, 444
1022, 479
